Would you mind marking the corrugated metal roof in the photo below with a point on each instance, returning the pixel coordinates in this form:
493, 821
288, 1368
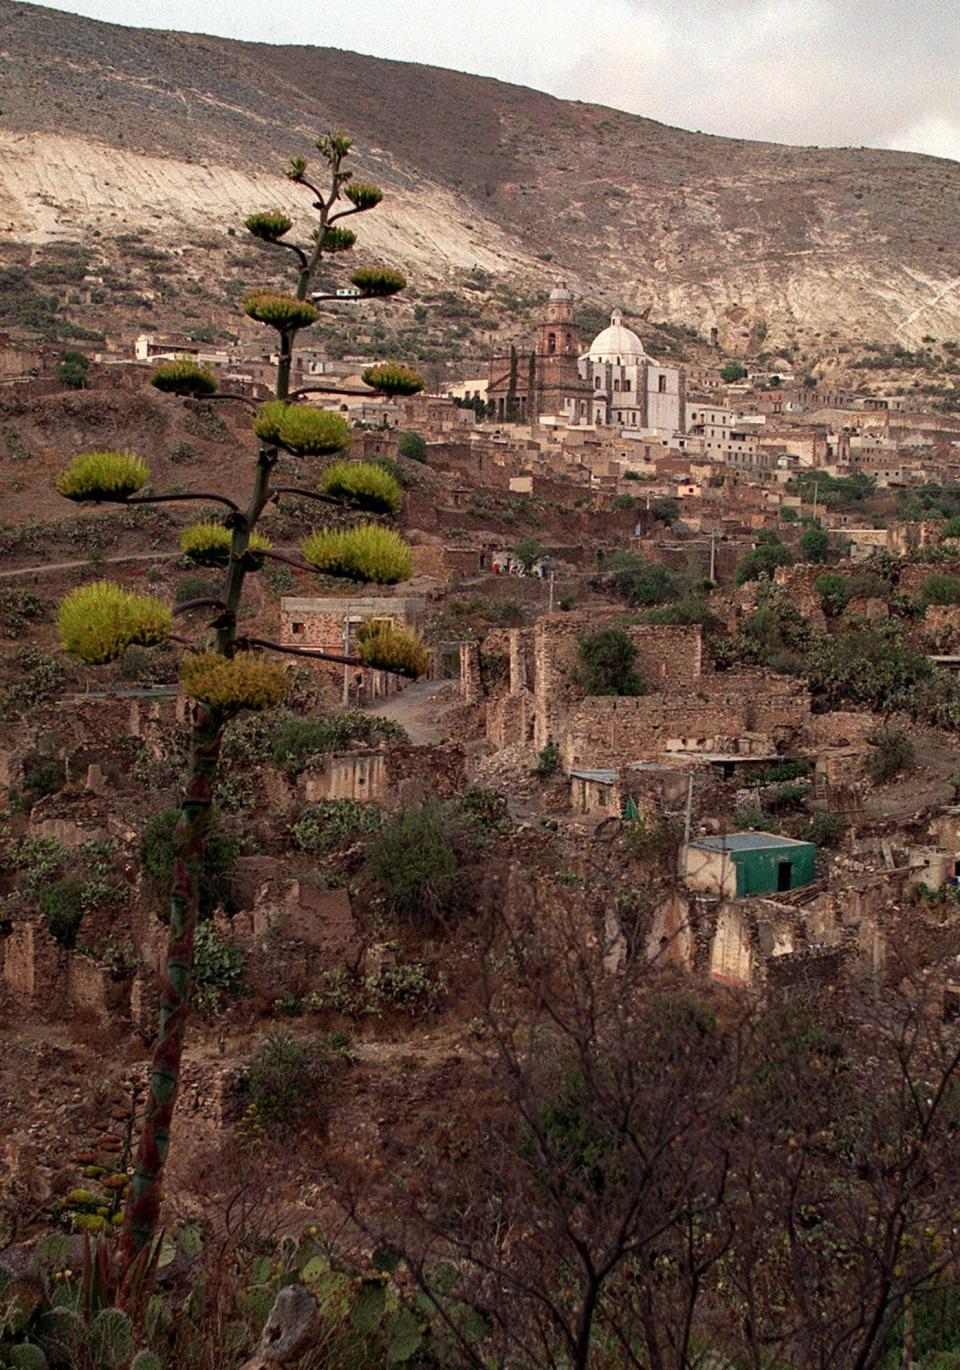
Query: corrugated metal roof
602, 777
746, 841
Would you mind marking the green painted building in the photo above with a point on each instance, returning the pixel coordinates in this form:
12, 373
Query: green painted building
744, 863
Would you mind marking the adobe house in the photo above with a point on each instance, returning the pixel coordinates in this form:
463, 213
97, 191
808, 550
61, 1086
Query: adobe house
745, 863
331, 623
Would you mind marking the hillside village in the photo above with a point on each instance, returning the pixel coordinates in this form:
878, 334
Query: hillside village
675, 783
765, 802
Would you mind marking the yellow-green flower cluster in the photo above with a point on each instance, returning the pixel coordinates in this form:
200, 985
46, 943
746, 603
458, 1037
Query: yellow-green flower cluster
208, 544
366, 552
302, 429
386, 648
185, 377
338, 239
269, 225
390, 378
284, 312
378, 280
364, 484
230, 684
98, 622
103, 476
362, 194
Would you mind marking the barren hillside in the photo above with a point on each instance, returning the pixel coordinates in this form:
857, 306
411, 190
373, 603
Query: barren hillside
108, 131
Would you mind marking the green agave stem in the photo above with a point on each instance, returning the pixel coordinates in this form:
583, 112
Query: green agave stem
142, 1215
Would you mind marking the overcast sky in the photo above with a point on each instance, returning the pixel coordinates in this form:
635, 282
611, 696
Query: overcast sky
881, 73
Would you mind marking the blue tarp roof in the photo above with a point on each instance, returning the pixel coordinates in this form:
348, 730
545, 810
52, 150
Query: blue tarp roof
746, 841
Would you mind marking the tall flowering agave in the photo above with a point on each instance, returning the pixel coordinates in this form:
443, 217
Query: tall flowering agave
99, 621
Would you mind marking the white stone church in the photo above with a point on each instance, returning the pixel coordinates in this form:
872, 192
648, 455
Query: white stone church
631, 389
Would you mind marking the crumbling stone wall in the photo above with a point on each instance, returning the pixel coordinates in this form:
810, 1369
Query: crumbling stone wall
667, 658
612, 732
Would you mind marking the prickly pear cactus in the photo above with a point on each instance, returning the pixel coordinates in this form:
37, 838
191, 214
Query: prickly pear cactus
27, 1357
61, 1332
145, 1360
110, 1339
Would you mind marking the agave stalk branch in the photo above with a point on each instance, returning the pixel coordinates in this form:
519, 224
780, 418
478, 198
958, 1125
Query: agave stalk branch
330, 390
317, 653
292, 247
173, 499
298, 562
186, 605
307, 494
232, 395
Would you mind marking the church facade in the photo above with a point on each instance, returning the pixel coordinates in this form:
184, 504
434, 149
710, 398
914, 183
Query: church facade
614, 383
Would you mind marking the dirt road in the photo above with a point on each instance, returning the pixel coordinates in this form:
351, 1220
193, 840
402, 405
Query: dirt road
416, 709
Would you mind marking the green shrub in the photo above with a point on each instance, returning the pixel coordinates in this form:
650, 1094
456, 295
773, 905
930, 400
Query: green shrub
793, 768
528, 552
763, 560
623, 502
895, 752
814, 544
184, 452
18, 608
483, 809
940, 589
285, 1081
413, 863
73, 370
748, 816
156, 859
412, 446
823, 829
333, 823
667, 509
654, 840
835, 592
61, 903
606, 664
732, 372
290, 742
548, 761
644, 582
217, 967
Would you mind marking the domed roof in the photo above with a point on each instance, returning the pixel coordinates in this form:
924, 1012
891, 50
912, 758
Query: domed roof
617, 343
560, 292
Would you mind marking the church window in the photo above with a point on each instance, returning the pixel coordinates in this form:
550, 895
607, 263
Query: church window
662, 384
616, 385
551, 342
626, 383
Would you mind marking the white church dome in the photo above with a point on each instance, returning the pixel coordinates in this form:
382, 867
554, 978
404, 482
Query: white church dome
617, 343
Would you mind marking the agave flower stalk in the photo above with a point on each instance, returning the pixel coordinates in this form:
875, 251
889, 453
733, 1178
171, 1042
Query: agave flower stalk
105, 619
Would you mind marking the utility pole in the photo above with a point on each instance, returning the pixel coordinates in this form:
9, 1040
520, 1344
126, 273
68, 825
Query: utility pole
816, 488
551, 590
346, 652
713, 553
688, 814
